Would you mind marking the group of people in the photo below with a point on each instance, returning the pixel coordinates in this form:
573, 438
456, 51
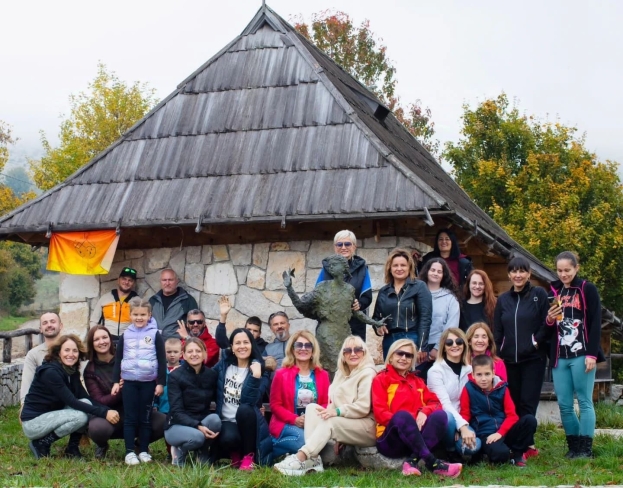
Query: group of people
462, 374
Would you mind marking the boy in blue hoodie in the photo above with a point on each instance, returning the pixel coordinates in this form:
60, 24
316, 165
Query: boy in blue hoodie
487, 405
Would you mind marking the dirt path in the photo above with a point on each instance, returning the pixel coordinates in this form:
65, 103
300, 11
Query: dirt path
18, 348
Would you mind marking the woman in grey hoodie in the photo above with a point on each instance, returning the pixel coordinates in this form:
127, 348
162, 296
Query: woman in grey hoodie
446, 309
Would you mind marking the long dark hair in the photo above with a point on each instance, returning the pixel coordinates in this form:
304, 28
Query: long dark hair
489, 300
256, 355
455, 251
447, 281
91, 354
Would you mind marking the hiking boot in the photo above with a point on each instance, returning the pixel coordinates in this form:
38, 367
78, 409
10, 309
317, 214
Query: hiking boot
573, 441
449, 470
73, 446
585, 447
131, 459
247, 463
291, 466
100, 451
531, 452
41, 447
409, 468
519, 460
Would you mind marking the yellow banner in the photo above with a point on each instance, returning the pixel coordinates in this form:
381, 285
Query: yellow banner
82, 253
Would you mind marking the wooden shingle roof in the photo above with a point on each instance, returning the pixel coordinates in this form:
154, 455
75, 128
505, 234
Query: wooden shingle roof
268, 129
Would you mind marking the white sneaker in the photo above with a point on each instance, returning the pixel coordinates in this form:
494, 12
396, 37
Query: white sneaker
291, 466
131, 459
144, 457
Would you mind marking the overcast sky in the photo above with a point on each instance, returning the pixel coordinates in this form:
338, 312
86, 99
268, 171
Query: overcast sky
560, 59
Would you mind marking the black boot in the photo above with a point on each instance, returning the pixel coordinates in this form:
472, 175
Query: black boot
73, 446
585, 449
41, 447
573, 441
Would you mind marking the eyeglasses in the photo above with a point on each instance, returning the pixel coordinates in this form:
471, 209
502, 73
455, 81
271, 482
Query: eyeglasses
349, 350
195, 322
304, 345
404, 354
343, 244
458, 342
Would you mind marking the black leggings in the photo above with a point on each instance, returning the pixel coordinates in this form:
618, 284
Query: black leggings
240, 435
517, 439
101, 430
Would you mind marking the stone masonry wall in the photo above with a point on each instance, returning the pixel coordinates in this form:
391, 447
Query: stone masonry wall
10, 382
250, 274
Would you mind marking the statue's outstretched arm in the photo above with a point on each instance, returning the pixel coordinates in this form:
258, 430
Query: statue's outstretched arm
303, 306
362, 317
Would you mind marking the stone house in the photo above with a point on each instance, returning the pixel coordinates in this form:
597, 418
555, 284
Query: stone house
251, 166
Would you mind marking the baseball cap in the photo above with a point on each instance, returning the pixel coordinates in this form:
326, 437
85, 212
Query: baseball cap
131, 272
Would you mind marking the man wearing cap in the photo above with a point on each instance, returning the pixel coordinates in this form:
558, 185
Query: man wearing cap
112, 309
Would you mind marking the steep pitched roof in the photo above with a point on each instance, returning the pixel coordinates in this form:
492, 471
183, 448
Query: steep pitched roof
269, 128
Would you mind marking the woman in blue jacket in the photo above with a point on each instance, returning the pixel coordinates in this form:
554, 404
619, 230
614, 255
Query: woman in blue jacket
575, 314
242, 382
407, 300
520, 335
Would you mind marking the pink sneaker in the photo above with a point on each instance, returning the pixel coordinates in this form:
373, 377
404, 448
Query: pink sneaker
409, 468
531, 452
235, 459
449, 470
247, 463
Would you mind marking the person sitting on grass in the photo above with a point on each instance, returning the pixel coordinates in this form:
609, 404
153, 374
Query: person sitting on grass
410, 421
347, 419
487, 405
57, 404
192, 389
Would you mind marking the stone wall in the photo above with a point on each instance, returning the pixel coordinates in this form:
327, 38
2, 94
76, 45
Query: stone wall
10, 381
250, 274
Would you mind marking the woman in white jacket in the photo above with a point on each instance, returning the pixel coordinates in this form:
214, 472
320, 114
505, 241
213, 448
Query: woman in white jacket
446, 379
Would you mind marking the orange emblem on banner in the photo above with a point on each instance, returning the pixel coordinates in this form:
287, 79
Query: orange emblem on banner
83, 253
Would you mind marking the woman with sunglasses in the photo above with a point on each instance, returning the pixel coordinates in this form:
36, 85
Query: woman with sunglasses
480, 341
345, 244
410, 421
406, 300
348, 418
446, 379
300, 381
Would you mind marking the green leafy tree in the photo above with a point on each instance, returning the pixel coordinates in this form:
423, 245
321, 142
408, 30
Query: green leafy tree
541, 184
361, 54
97, 119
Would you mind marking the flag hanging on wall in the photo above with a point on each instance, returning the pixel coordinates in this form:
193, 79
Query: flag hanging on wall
82, 253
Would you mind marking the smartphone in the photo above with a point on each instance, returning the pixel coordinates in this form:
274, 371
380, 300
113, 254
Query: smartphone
553, 300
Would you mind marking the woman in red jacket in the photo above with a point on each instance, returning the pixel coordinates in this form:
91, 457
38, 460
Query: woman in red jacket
300, 381
410, 420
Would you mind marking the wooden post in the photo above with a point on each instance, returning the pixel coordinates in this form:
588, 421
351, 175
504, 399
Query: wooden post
28, 342
6, 350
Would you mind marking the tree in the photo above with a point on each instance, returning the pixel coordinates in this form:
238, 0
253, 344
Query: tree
541, 184
360, 54
97, 119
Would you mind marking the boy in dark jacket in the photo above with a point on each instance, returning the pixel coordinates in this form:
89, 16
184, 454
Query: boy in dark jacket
487, 405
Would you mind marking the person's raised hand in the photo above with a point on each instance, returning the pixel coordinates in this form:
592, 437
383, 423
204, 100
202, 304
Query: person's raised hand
182, 330
224, 307
256, 369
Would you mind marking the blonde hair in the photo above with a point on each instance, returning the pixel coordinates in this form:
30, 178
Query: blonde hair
138, 302
342, 365
398, 253
470, 335
290, 360
465, 357
397, 345
345, 234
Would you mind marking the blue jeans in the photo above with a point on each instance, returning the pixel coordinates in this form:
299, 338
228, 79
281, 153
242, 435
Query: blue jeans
570, 377
392, 337
289, 442
451, 445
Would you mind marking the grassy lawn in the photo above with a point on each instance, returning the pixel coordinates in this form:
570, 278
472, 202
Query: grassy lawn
20, 469
11, 322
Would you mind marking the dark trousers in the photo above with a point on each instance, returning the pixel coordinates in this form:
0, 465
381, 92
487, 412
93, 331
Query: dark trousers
359, 329
138, 398
239, 436
101, 430
525, 380
517, 439
402, 438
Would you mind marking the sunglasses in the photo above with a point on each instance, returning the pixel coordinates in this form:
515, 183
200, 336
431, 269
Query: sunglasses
404, 354
343, 244
458, 342
304, 345
129, 270
195, 322
349, 350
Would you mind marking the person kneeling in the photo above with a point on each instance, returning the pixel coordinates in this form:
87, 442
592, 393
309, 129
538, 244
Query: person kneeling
486, 404
348, 418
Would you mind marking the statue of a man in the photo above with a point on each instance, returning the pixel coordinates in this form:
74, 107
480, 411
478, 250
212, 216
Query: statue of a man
331, 304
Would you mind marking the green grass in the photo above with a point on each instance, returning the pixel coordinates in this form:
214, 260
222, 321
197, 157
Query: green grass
12, 322
609, 416
19, 468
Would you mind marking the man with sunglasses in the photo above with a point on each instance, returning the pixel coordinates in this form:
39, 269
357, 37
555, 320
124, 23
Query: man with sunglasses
112, 309
195, 326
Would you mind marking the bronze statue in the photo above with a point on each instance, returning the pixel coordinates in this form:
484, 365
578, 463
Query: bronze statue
331, 304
